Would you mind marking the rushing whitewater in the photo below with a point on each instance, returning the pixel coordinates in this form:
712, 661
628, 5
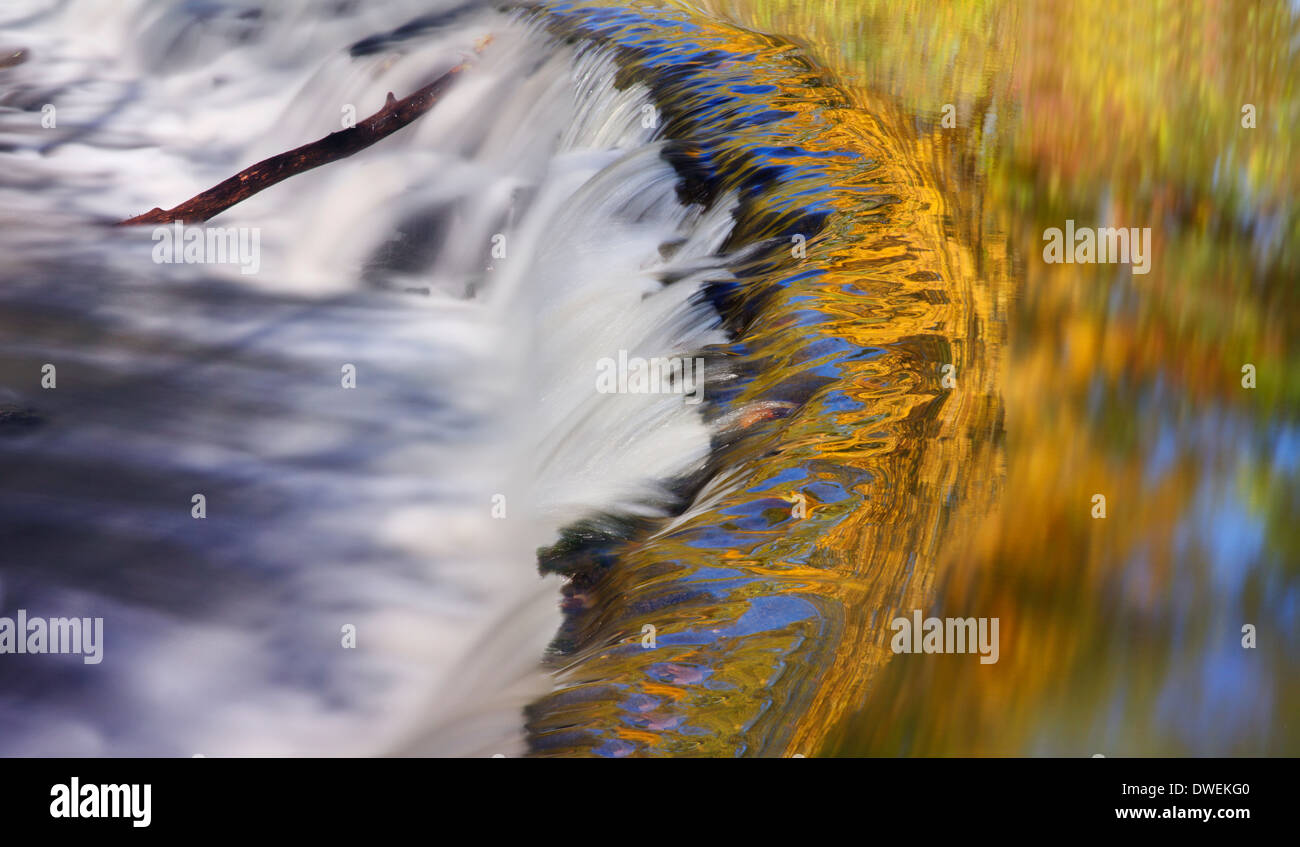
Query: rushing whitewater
471, 270
601, 410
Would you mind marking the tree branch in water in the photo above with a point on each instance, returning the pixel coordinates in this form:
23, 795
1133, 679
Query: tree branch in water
337, 145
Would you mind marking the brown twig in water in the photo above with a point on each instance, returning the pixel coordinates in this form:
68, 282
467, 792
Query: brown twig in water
337, 145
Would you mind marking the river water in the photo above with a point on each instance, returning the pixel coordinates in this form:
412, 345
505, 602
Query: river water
838, 210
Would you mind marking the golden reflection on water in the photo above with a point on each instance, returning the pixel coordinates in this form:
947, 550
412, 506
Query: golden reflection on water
1124, 635
1120, 635
764, 619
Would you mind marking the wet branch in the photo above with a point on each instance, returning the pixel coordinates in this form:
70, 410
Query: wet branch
337, 145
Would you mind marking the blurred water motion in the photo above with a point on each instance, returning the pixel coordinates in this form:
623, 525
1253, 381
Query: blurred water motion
1120, 636
839, 206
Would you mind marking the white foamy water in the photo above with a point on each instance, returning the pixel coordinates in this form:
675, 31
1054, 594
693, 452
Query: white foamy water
325, 506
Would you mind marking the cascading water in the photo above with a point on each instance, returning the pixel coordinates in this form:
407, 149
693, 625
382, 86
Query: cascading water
379, 481
374, 507
574, 199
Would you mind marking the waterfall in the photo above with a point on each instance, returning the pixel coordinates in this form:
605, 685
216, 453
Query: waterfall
471, 270
395, 485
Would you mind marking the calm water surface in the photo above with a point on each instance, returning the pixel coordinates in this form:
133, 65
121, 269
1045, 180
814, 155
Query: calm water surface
1122, 635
